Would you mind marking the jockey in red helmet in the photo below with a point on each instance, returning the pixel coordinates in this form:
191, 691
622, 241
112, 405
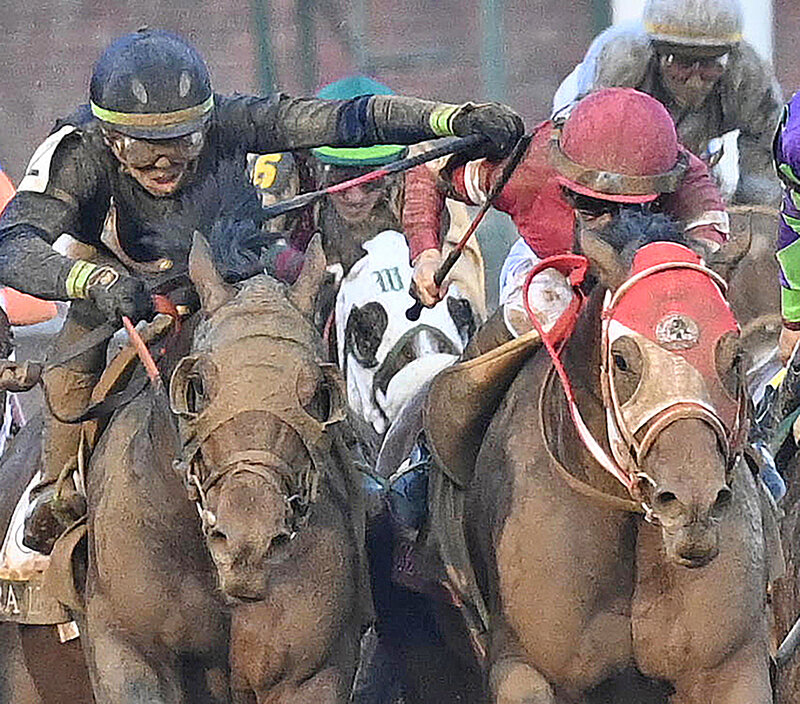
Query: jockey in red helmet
616, 147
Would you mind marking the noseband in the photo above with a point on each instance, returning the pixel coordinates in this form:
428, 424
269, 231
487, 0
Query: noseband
273, 470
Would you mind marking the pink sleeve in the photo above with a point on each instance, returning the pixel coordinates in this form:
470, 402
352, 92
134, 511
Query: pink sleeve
425, 192
422, 210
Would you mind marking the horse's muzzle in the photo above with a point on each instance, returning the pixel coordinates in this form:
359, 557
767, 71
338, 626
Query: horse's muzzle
693, 545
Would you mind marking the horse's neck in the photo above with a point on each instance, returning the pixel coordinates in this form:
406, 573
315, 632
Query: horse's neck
582, 353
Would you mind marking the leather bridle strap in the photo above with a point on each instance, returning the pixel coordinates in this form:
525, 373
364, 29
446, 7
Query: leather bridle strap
558, 262
252, 462
616, 503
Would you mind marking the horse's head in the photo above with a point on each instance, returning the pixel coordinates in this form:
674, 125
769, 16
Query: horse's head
254, 401
672, 384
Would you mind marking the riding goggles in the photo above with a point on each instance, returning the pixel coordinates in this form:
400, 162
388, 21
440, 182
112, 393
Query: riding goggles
589, 207
684, 66
142, 153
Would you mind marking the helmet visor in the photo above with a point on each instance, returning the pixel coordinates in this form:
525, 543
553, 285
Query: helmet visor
592, 207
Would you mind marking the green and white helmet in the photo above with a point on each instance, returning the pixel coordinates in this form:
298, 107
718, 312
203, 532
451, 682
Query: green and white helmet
694, 23
355, 87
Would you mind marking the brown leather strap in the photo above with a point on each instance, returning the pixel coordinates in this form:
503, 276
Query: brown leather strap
614, 502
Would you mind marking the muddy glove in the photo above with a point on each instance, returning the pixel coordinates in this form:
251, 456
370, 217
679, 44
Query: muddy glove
501, 126
115, 294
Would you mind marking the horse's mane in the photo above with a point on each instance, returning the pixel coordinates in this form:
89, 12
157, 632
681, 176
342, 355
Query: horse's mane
224, 206
631, 230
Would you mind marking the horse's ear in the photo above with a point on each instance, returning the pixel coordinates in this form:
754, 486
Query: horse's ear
607, 264
303, 292
211, 287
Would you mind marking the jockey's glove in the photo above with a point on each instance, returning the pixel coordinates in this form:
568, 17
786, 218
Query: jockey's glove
423, 285
115, 294
501, 126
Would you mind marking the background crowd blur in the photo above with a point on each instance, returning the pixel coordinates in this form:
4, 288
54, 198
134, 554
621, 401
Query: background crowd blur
515, 51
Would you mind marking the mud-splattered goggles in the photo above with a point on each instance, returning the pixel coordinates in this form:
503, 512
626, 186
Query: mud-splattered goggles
143, 153
684, 66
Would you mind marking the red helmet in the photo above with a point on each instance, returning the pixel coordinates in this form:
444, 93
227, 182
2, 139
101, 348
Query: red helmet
618, 144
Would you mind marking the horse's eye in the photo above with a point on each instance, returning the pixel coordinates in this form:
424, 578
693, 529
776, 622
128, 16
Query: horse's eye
460, 311
627, 360
320, 405
729, 362
364, 332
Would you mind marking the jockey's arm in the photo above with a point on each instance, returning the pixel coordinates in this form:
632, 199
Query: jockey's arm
787, 164
58, 194
699, 205
757, 100
424, 202
281, 122
63, 192
789, 263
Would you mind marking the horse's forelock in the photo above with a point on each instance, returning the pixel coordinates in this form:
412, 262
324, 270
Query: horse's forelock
631, 230
263, 303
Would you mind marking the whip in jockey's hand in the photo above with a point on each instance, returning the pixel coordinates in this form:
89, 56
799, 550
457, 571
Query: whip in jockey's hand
501, 126
617, 149
425, 288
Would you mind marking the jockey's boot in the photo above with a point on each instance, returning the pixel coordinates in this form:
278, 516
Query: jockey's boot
493, 333
55, 505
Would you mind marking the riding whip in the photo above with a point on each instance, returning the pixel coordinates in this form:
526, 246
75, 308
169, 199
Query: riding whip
510, 166
449, 146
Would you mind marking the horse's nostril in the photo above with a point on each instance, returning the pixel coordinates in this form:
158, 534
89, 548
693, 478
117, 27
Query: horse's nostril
279, 541
723, 500
665, 498
215, 535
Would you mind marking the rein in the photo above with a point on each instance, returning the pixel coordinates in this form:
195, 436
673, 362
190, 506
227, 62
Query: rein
99, 335
627, 473
574, 267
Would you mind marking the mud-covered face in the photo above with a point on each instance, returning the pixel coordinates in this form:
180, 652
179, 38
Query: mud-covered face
160, 166
690, 77
356, 204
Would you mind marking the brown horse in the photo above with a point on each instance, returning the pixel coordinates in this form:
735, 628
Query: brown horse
267, 447
786, 593
579, 590
280, 516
